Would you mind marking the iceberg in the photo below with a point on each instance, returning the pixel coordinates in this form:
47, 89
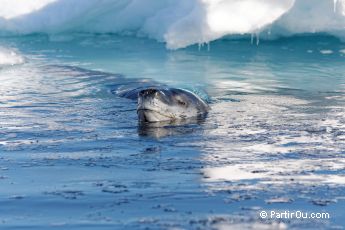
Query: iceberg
178, 23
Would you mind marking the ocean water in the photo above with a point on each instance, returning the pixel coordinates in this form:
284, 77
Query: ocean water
73, 155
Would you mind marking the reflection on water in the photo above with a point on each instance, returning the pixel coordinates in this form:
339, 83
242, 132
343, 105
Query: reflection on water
267, 138
170, 128
275, 134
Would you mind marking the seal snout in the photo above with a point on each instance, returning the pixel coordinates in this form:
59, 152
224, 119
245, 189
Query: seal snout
147, 97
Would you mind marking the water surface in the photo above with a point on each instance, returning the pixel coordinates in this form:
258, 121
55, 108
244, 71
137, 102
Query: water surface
73, 156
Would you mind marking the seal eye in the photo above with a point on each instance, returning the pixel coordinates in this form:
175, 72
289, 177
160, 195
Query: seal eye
181, 102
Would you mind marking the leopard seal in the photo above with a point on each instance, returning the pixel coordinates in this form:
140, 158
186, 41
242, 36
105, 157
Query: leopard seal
156, 102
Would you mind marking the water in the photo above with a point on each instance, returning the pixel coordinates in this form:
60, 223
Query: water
73, 156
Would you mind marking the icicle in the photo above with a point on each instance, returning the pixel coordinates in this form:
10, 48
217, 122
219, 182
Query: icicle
269, 32
257, 38
202, 44
335, 5
252, 38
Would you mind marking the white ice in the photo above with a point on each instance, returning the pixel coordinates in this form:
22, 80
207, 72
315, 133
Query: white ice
178, 23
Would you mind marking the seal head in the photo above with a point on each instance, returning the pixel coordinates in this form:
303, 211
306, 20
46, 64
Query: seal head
169, 104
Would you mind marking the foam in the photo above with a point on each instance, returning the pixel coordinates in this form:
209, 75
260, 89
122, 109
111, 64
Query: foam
10, 57
178, 23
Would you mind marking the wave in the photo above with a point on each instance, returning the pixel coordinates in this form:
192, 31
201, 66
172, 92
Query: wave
178, 23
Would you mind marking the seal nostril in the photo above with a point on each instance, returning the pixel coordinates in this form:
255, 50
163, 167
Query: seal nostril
147, 92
